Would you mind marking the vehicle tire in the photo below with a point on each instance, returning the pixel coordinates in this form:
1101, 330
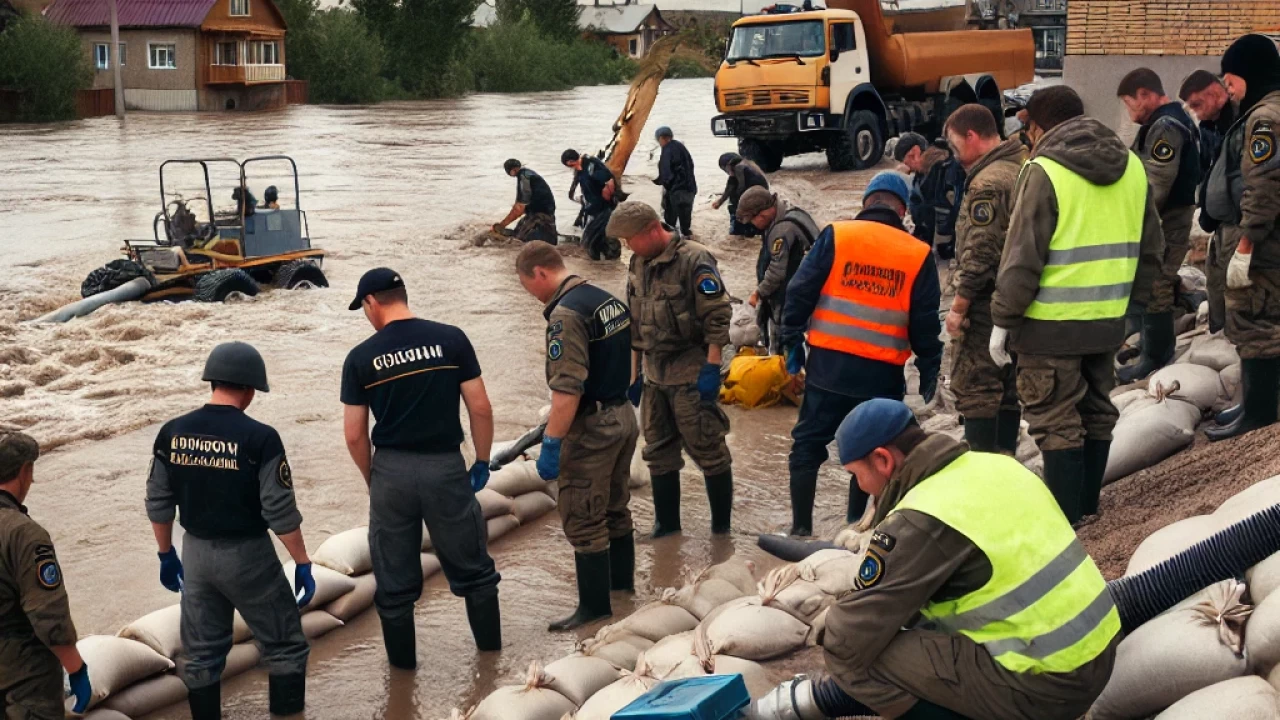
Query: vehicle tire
859, 146
761, 153
217, 285
299, 273
111, 276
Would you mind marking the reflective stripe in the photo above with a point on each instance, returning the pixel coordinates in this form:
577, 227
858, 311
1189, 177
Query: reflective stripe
1091, 253
1063, 637
1050, 295
1021, 597
862, 312
853, 332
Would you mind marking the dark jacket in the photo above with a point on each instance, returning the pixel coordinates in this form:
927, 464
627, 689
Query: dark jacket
745, 175
1212, 134
534, 193
675, 169
592, 178
935, 193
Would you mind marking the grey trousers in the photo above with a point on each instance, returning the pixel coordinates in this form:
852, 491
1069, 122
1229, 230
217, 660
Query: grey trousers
406, 490
222, 576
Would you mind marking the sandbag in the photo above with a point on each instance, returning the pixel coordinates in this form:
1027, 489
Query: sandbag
319, 622
803, 599
159, 630
115, 663
701, 596
148, 696
752, 631
1231, 382
534, 700
430, 565
737, 571
834, 571
669, 652
1196, 384
106, 714
1243, 698
618, 694
1171, 540
620, 648
1150, 435
755, 381
658, 620
347, 552
743, 330
640, 476
517, 479
1212, 351
330, 584
1263, 578
1253, 499
494, 504
531, 506
1262, 636
753, 673
356, 601
1131, 400
578, 677
502, 525
242, 658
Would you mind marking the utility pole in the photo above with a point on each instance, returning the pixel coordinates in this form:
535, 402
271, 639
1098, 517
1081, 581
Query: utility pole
113, 55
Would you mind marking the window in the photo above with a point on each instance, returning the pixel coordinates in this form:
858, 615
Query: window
842, 37
265, 53
239, 8
224, 53
797, 38
633, 46
162, 56
100, 59
1051, 5
1049, 42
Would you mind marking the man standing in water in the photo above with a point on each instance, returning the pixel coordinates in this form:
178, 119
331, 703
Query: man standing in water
535, 205
591, 432
412, 373
600, 192
680, 187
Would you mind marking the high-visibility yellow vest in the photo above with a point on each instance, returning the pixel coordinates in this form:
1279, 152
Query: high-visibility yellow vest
1093, 255
1046, 607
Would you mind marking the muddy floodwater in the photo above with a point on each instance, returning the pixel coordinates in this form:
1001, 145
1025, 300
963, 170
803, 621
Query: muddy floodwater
404, 185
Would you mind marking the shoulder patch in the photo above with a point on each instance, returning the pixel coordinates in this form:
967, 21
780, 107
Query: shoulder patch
982, 213
1163, 151
48, 574
1262, 143
871, 572
883, 540
555, 328
285, 474
707, 281
777, 246
555, 349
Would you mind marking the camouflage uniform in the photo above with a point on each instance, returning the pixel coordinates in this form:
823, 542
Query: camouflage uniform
1253, 313
537, 226
1172, 161
783, 246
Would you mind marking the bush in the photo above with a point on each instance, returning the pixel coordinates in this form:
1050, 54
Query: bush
683, 66
46, 63
516, 57
339, 57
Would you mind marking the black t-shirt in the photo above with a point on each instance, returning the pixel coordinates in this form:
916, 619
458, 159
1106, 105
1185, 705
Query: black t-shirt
410, 374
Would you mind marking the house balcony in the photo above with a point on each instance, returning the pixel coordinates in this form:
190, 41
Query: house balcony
245, 74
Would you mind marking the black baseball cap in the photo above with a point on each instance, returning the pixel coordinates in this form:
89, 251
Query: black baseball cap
906, 141
376, 281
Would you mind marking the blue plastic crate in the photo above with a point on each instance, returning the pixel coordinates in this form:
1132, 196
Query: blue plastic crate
714, 697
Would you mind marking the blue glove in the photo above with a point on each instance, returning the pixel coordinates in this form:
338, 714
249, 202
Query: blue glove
549, 458
709, 383
171, 570
304, 586
634, 392
81, 689
795, 359
479, 476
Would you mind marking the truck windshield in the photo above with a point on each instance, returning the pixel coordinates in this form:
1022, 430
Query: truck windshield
802, 38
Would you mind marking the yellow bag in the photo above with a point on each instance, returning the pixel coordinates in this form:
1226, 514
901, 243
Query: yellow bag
755, 382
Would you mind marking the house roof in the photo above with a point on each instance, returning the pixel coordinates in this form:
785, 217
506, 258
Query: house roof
616, 19
1164, 27
132, 13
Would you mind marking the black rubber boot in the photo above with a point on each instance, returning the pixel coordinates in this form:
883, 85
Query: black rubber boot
287, 694
1157, 348
593, 592
666, 504
205, 702
925, 710
720, 495
622, 563
1261, 380
1228, 416
857, 501
1064, 474
401, 640
1095, 467
484, 615
804, 487
1008, 429
1132, 321
981, 433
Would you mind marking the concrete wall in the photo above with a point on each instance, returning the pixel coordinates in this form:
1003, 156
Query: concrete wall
160, 100
136, 74
1096, 77
250, 97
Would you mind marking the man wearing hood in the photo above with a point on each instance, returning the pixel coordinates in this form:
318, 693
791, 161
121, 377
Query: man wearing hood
1244, 195
787, 233
1083, 241
743, 175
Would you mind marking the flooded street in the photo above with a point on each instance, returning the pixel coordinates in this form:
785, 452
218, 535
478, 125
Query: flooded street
407, 185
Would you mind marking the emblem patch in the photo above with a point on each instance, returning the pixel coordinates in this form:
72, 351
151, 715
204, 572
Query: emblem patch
883, 540
871, 571
707, 281
1262, 145
285, 474
49, 575
555, 349
1162, 151
982, 213
777, 246
556, 328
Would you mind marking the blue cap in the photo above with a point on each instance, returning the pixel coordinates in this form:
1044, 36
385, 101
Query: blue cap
663, 131
890, 182
874, 423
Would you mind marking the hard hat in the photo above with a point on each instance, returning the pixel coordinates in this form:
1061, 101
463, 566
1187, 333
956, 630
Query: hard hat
236, 363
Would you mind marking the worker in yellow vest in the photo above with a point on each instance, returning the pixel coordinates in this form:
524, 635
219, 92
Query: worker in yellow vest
1084, 240
1016, 622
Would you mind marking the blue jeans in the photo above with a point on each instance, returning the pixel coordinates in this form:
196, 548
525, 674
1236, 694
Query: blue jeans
821, 413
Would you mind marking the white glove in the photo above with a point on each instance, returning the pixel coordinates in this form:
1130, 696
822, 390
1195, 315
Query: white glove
999, 338
792, 700
1238, 271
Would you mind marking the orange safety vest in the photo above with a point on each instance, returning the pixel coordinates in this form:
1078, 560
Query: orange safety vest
866, 302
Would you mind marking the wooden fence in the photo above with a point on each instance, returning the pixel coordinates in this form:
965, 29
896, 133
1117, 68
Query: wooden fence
95, 103
296, 92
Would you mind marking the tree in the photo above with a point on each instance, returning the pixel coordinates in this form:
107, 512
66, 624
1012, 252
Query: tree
557, 19
340, 58
47, 64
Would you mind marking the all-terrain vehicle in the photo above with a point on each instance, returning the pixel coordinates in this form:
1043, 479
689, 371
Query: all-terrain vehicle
208, 255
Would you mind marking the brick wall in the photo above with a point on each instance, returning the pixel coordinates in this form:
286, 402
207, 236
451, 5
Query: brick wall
1164, 27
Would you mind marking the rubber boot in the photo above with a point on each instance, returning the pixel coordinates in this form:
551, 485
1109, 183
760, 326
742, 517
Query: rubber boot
1157, 348
857, 501
925, 710
720, 495
401, 640
1261, 380
593, 592
286, 694
1008, 430
1095, 467
804, 487
1064, 474
622, 563
484, 615
206, 702
666, 504
1228, 416
981, 433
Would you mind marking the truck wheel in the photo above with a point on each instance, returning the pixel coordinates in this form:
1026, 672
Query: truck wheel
764, 154
217, 285
859, 146
300, 274
111, 276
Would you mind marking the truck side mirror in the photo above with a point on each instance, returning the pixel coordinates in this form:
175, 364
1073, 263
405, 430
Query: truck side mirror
835, 54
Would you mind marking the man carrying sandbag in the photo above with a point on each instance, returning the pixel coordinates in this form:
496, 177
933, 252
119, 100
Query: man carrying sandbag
787, 232
1017, 622
591, 432
228, 480
37, 636
413, 374
1084, 241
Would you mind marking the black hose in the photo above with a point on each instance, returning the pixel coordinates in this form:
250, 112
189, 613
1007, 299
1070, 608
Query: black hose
835, 703
792, 549
532, 437
1223, 555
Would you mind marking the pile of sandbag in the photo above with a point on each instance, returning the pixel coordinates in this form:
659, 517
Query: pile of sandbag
743, 330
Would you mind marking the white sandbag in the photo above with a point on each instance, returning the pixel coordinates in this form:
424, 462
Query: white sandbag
1212, 351
347, 552
1243, 698
1128, 401
578, 677
640, 476
1262, 636
319, 622
148, 696
833, 570
737, 571
753, 673
493, 503
669, 652
658, 620
1253, 499
330, 584
115, 663
1191, 279
743, 331
356, 601
426, 539
1196, 384
242, 658
430, 565
1150, 435
1231, 382
784, 589
534, 700
1171, 540
516, 479
701, 596
754, 632
1273, 678
620, 648
106, 714
159, 630
532, 505
502, 525
1263, 578
1202, 313
618, 694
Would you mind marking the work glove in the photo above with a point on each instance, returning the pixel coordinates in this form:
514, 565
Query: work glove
636, 390
81, 689
479, 475
304, 586
792, 700
709, 383
1238, 271
171, 570
549, 458
999, 354
795, 359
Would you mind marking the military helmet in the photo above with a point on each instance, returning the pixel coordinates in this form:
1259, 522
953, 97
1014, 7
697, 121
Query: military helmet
236, 363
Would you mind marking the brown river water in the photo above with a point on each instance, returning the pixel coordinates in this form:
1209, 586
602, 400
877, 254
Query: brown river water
406, 185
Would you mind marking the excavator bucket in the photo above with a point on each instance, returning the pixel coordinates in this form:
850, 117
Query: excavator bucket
629, 127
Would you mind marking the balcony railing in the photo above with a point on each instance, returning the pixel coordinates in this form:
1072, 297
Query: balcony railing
241, 74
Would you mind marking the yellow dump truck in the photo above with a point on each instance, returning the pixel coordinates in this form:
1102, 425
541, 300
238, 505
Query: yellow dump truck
839, 79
